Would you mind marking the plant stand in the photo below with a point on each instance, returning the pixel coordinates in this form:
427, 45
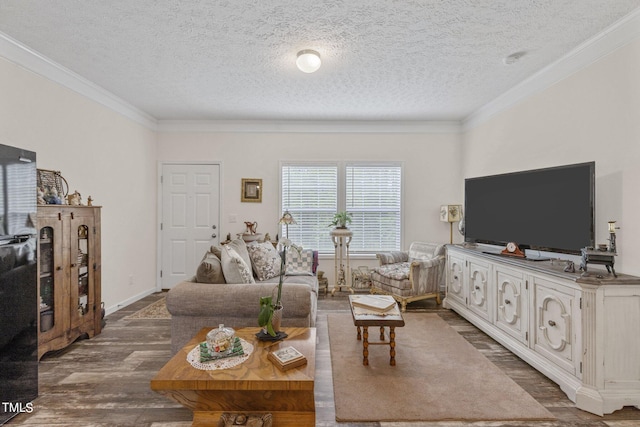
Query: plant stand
341, 238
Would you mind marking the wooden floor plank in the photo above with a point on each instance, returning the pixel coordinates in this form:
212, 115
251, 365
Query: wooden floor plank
104, 381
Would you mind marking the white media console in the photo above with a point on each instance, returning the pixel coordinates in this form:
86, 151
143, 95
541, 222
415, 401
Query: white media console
581, 332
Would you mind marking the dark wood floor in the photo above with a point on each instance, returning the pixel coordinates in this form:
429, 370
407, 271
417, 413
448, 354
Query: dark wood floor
104, 381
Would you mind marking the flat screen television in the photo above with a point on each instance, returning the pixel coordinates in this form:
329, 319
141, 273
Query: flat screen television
551, 209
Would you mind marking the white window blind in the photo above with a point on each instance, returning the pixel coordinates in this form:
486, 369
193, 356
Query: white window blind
18, 200
372, 193
374, 199
310, 194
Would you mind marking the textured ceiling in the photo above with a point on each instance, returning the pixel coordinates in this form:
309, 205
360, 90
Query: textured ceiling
382, 59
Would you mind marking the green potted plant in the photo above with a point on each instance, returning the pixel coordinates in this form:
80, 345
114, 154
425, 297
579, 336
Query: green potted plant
341, 219
268, 309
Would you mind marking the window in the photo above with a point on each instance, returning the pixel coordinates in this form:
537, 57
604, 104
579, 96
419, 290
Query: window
371, 192
310, 194
373, 197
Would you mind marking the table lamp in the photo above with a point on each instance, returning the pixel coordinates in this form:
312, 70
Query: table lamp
450, 214
287, 219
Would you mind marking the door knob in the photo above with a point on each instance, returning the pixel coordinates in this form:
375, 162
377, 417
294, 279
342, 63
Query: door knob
214, 227
214, 235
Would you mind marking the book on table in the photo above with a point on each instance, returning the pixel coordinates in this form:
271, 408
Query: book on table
375, 303
287, 358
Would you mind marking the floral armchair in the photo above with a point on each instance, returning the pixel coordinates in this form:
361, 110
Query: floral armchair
410, 275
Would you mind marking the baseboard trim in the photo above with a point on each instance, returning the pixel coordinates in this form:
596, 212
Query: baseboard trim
129, 301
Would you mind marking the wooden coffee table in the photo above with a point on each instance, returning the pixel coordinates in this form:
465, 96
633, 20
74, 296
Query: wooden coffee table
256, 386
391, 319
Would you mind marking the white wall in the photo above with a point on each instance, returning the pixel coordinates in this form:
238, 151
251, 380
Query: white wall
431, 172
592, 115
100, 153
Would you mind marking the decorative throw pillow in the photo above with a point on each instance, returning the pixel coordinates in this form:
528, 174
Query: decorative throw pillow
299, 263
240, 247
210, 269
264, 260
234, 268
217, 251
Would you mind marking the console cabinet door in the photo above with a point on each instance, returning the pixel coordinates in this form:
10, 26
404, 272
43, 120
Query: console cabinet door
456, 289
511, 313
479, 288
555, 309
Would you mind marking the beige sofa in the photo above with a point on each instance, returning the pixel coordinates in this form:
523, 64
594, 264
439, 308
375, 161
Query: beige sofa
194, 305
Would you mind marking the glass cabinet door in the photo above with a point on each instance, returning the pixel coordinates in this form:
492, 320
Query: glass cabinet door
83, 269
47, 278
82, 306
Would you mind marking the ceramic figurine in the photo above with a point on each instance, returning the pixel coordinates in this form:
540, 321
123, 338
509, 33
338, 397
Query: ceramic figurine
74, 199
89, 201
41, 200
51, 197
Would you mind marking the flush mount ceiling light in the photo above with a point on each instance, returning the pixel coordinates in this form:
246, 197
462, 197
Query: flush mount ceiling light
308, 61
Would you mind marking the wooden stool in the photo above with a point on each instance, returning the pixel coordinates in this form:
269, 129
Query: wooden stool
392, 319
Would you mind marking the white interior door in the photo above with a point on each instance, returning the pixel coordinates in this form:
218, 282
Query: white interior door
190, 218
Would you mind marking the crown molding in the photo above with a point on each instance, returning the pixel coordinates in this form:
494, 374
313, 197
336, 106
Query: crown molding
617, 35
312, 126
18, 53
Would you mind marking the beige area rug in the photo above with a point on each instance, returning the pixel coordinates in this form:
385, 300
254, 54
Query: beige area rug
155, 310
438, 376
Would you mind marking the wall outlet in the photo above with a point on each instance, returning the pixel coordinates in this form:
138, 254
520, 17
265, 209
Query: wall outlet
233, 218
131, 280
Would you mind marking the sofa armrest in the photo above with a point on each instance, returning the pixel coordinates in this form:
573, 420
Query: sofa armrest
426, 275
424, 264
393, 257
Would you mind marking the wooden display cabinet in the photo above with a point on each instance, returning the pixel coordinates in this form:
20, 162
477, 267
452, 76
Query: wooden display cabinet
69, 270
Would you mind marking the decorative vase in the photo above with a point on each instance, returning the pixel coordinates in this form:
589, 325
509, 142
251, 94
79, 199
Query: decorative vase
276, 319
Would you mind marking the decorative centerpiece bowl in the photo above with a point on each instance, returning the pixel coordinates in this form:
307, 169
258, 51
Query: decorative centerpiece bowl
220, 340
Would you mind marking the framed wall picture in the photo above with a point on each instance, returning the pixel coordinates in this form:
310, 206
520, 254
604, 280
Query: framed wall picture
251, 190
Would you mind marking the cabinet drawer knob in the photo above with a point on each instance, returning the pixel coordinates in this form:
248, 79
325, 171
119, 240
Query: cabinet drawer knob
455, 277
507, 301
552, 323
477, 287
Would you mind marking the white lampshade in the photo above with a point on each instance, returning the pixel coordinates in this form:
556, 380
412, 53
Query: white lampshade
450, 213
287, 218
308, 61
